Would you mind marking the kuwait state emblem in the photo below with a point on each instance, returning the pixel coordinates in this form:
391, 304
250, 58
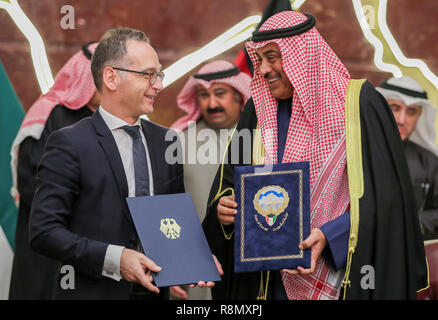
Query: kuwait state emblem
270, 202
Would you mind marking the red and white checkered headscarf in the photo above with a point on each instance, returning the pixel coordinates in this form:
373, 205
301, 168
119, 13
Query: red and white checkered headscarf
316, 133
73, 88
187, 97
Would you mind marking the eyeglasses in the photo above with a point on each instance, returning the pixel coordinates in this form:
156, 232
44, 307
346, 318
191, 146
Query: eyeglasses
153, 76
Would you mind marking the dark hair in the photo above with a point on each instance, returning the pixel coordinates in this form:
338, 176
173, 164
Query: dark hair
111, 50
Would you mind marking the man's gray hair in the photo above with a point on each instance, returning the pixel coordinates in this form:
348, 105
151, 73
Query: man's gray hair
111, 51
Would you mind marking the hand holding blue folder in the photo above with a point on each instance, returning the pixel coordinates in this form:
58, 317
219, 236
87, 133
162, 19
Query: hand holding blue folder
171, 235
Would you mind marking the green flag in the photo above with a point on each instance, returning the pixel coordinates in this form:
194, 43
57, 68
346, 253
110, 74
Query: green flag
11, 115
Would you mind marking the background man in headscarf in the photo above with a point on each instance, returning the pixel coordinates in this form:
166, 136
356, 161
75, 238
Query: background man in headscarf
299, 94
72, 97
415, 116
213, 99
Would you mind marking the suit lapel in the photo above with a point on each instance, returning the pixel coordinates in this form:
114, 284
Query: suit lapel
109, 147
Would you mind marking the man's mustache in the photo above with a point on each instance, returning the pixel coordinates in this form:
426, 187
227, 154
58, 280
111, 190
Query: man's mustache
271, 75
215, 110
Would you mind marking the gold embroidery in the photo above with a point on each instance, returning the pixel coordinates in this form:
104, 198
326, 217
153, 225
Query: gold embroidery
354, 168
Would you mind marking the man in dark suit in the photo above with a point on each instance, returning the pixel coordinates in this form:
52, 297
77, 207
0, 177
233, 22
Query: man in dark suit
79, 214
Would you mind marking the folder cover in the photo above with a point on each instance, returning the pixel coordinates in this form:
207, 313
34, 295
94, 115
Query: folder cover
171, 235
273, 216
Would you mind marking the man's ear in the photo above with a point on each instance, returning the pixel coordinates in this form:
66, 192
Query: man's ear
110, 79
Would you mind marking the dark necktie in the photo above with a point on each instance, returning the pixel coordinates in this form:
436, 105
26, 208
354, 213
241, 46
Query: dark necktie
140, 161
284, 112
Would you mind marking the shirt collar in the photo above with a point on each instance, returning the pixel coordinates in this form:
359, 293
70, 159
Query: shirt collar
113, 122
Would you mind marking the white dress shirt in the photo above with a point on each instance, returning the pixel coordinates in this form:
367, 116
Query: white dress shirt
111, 265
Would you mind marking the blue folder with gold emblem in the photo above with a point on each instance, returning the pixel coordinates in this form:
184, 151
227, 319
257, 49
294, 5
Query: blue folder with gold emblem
273, 216
171, 235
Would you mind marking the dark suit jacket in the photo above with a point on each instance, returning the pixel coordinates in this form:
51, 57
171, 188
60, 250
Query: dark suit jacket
79, 206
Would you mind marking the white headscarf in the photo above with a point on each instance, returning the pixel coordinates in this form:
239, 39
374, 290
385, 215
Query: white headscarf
408, 90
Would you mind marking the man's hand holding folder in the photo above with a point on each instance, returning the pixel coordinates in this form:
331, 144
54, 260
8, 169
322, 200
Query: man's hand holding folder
136, 267
226, 212
317, 242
